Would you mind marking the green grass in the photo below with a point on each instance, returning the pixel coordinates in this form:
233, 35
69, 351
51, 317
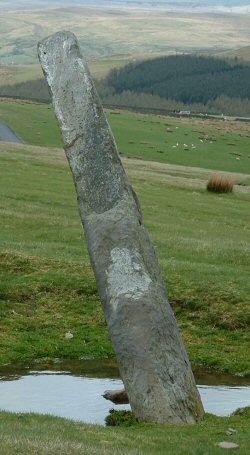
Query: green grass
209, 144
34, 122
47, 286
44, 435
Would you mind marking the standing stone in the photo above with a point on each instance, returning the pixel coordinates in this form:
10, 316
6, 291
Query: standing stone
152, 359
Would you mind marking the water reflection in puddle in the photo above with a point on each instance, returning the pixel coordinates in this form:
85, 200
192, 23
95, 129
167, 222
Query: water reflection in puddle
79, 397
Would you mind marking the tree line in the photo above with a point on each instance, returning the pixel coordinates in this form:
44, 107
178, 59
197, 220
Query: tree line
174, 83
185, 78
34, 90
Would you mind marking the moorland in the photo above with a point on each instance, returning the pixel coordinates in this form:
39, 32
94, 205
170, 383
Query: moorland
105, 32
47, 287
201, 238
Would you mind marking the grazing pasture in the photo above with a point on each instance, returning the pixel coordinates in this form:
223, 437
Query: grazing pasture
47, 287
206, 143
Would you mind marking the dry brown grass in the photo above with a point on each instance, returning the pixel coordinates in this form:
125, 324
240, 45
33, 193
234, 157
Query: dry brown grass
141, 32
220, 183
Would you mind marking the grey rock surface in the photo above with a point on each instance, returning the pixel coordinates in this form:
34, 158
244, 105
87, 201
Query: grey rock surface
152, 359
116, 396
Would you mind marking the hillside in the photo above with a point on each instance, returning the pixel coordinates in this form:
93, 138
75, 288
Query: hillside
209, 5
238, 54
16, 74
187, 78
106, 31
47, 286
198, 83
211, 144
176, 83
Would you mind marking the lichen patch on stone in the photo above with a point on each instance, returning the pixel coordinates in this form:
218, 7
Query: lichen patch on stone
126, 276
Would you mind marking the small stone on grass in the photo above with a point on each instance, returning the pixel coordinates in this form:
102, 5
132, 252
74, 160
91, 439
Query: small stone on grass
227, 445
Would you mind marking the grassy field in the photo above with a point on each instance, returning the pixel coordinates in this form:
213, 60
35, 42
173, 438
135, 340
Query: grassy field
202, 239
44, 435
47, 286
210, 144
106, 31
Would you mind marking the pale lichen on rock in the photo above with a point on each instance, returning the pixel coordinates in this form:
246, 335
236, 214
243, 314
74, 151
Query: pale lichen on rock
126, 276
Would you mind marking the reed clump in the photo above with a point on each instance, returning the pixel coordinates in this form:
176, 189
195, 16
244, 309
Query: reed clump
220, 183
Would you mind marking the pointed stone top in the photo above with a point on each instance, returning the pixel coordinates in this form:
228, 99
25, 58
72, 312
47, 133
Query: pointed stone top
88, 141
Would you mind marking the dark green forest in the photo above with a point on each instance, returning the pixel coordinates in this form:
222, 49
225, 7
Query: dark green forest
187, 78
174, 83
35, 90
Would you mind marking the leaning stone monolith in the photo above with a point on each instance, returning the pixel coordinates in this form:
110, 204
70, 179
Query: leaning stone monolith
152, 359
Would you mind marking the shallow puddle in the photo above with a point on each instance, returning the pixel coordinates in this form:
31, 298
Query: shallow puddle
74, 390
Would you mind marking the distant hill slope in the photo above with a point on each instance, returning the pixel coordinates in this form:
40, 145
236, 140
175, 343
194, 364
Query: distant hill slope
177, 82
239, 6
186, 78
238, 54
117, 31
173, 83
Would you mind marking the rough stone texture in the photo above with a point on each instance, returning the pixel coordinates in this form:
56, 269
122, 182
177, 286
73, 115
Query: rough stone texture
116, 396
151, 356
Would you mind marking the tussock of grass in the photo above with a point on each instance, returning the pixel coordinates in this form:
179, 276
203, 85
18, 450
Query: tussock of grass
220, 183
120, 418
